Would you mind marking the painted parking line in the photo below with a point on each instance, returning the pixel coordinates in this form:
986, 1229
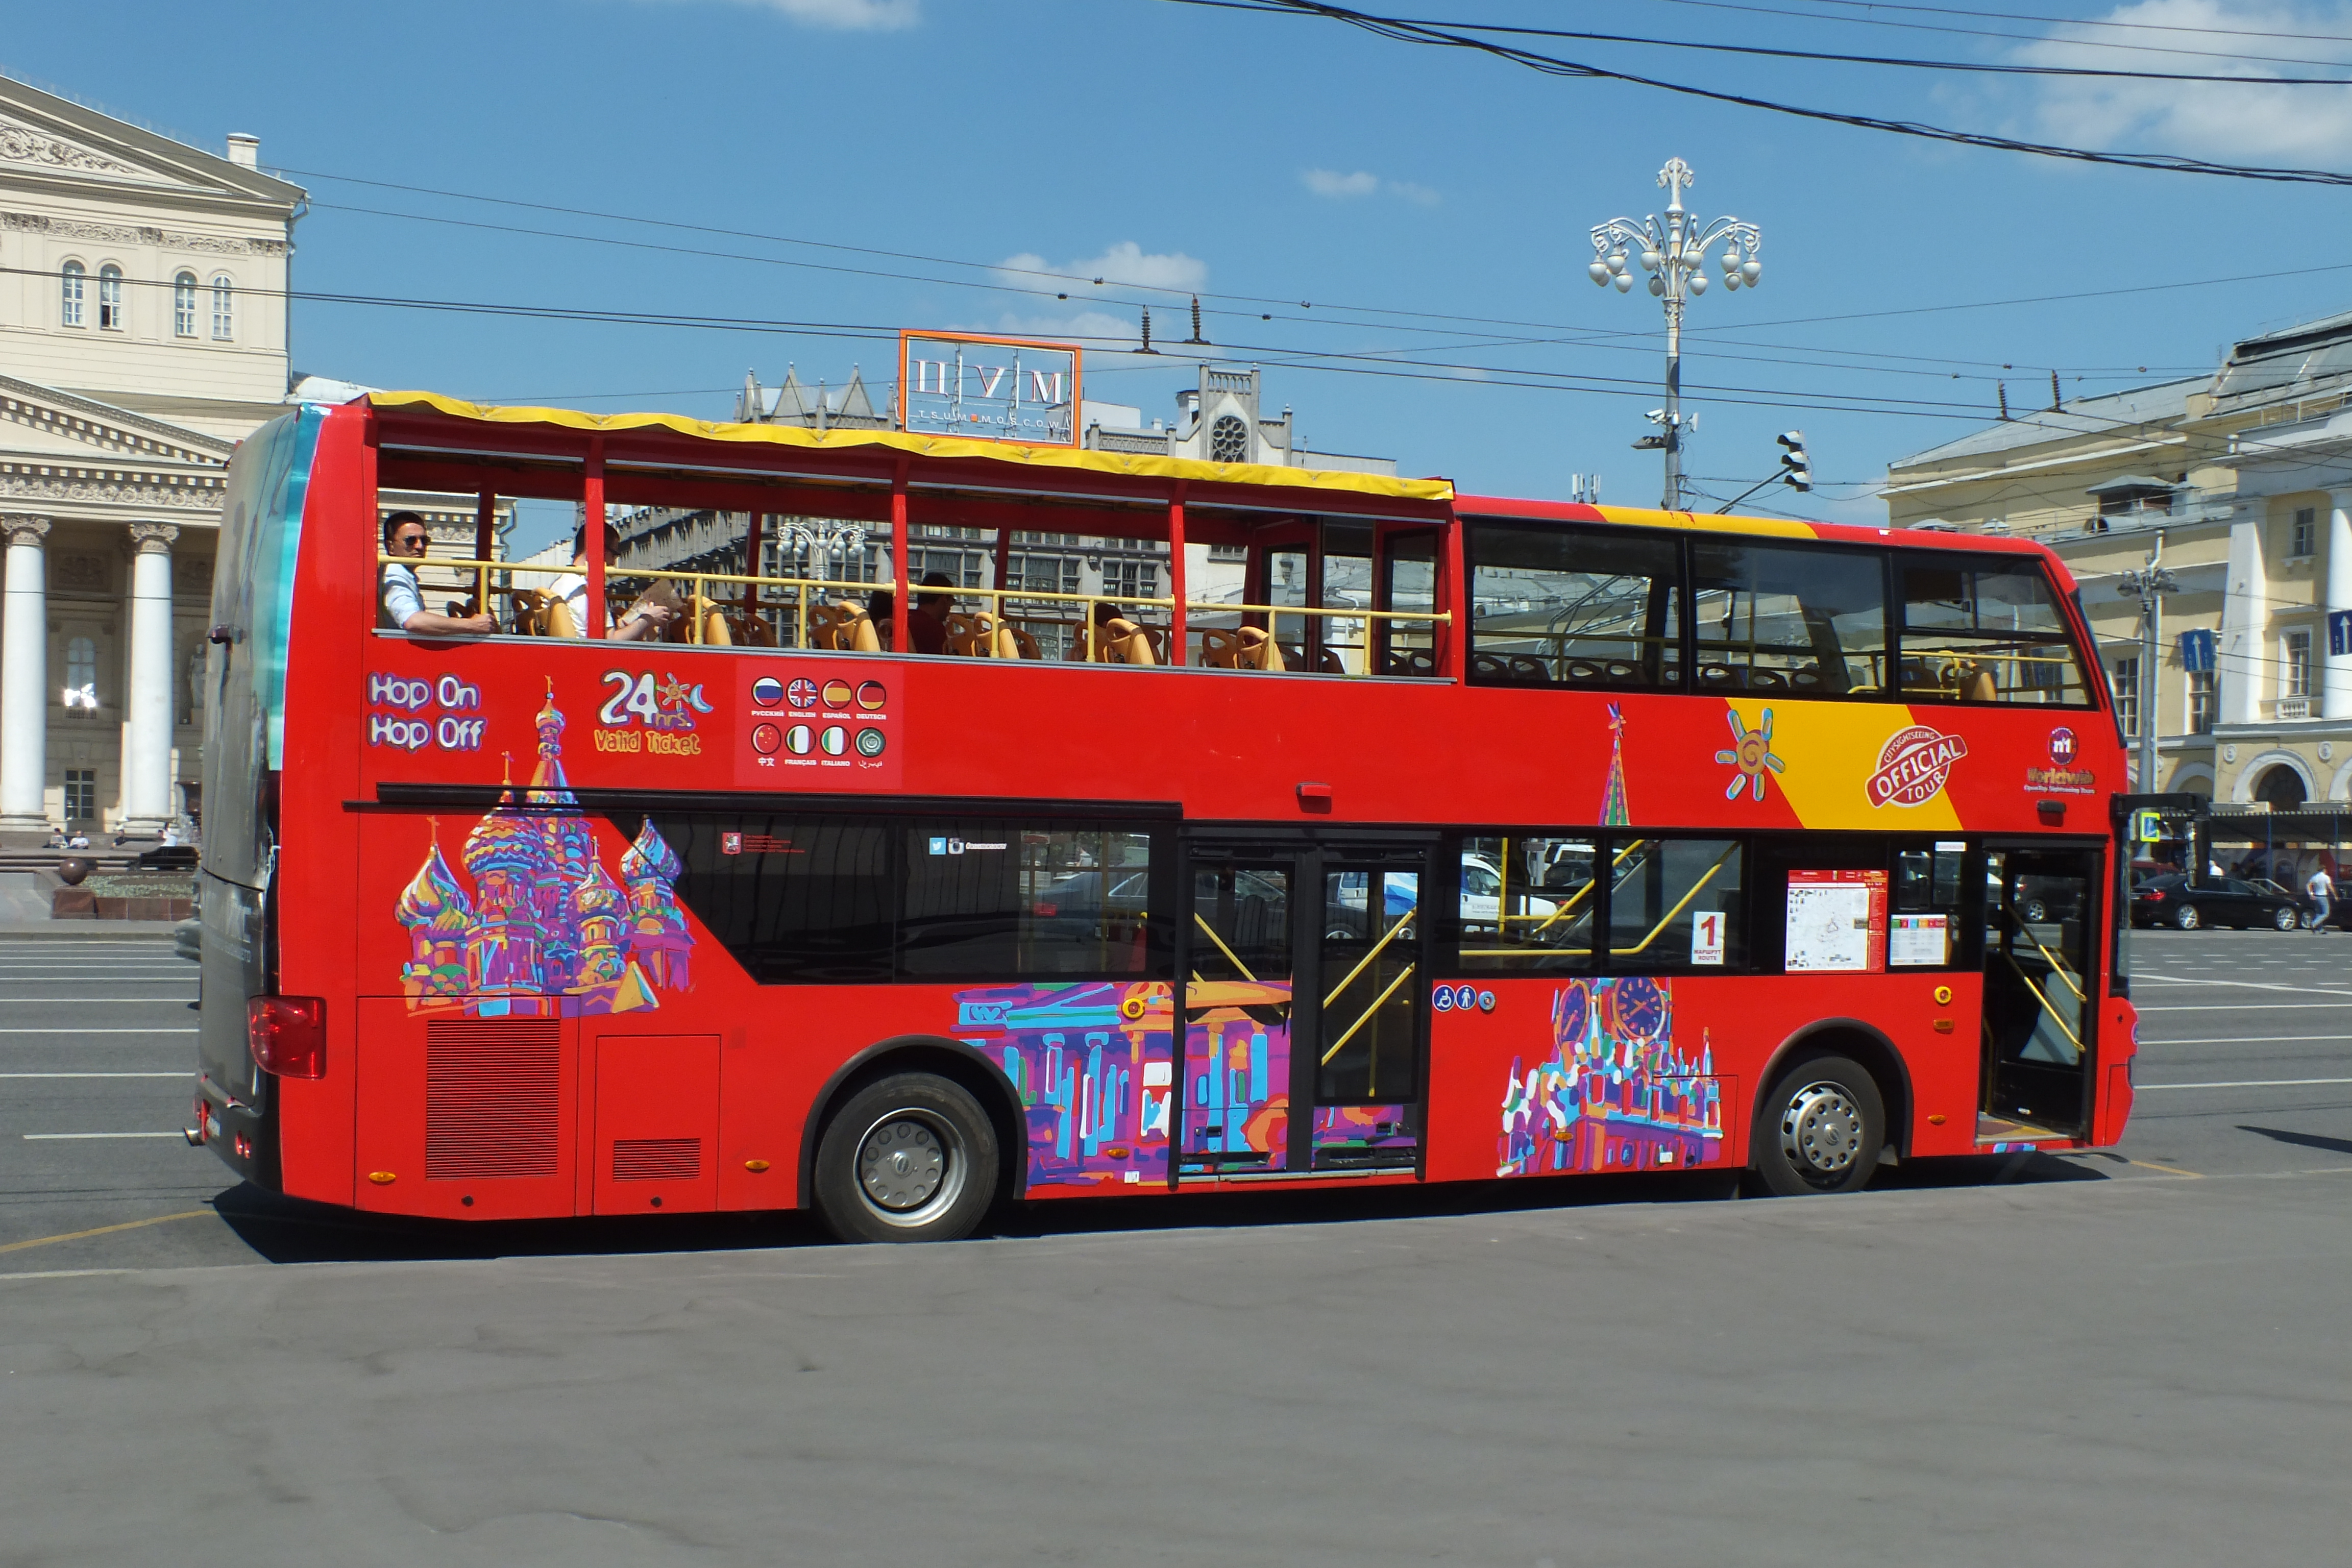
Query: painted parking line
2245, 1007
2244, 984
103, 1230
2244, 1083
2245, 1040
74, 1137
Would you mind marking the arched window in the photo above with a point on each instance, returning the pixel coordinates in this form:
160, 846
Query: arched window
1228, 439
223, 308
69, 303
110, 298
82, 674
184, 305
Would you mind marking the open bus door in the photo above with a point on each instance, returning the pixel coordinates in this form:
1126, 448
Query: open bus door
1305, 985
2044, 911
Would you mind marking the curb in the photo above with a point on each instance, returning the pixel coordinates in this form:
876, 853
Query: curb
68, 930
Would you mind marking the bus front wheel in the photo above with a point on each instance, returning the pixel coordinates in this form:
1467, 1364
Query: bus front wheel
911, 1157
1821, 1128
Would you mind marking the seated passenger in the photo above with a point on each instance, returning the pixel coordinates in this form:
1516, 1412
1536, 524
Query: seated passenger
881, 611
1117, 639
641, 622
927, 623
403, 603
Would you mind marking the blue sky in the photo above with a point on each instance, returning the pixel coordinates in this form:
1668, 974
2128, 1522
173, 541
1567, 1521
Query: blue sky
1424, 211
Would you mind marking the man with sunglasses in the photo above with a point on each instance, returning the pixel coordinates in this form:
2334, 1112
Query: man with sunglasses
404, 534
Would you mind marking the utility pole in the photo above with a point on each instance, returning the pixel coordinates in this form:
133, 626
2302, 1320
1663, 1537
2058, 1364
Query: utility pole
2148, 585
1672, 251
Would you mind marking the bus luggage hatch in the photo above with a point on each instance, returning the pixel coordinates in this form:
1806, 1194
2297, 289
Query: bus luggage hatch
1304, 986
2042, 914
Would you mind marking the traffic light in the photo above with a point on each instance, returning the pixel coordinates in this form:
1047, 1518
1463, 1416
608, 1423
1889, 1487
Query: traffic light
1796, 469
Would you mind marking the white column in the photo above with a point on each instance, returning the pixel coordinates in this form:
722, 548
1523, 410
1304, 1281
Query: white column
2244, 661
147, 737
24, 681
2335, 693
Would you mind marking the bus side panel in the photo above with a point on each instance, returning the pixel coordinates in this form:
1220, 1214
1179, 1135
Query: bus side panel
316, 841
1574, 1074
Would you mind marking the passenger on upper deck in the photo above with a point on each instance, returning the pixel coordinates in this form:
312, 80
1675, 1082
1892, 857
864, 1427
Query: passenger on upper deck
1117, 639
881, 615
641, 622
927, 623
401, 602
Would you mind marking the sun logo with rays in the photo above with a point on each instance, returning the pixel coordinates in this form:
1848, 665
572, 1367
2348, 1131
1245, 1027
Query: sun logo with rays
1750, 752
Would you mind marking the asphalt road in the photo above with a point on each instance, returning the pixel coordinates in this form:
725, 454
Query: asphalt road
2126, 1357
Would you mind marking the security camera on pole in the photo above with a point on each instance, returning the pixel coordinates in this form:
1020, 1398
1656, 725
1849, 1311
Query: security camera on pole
1672, 251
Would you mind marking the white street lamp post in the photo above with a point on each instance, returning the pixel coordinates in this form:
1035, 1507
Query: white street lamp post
1672, 251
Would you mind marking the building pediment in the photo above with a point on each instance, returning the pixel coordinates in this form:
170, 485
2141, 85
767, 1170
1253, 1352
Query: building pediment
43, 135
41, 421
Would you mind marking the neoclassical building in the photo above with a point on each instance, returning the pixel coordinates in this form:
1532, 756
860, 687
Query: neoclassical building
143, 334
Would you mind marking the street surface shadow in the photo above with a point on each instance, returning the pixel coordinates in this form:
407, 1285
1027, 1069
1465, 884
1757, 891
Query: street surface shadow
292, 1231
2307, 1139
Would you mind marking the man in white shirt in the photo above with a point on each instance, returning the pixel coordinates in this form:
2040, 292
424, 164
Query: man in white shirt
643, 622
2322, 889
403, 603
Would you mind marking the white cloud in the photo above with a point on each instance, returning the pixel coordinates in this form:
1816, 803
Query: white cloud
1331, 182
1126, 262
1097, 330
2208, 120
1341, 187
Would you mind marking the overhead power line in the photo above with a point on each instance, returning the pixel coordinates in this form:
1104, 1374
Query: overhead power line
1404, 31
1863, 21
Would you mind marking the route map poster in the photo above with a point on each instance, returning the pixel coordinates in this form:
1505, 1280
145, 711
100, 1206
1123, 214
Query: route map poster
1837, 923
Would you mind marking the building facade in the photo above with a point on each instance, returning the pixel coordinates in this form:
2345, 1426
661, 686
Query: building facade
2238, 483
142, 333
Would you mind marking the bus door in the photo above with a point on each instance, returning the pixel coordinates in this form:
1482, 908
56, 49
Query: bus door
1304, 996
2042, 915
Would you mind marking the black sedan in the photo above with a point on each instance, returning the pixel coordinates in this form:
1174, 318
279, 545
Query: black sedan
2217, 902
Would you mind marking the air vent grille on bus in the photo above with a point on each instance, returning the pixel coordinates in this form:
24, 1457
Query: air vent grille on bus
657, 1159
491, 1097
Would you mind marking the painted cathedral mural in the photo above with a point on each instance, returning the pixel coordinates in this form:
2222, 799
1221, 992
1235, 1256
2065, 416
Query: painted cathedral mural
1617, 1093
546, 931
1091, 1062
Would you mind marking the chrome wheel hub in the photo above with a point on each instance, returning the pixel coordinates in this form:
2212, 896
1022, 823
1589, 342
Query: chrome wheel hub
1821, 1131
907, 1165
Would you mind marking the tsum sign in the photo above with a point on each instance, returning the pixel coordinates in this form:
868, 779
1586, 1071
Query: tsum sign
1001, 389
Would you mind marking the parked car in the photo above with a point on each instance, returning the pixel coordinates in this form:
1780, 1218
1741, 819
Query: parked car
2041, 898
2218, 901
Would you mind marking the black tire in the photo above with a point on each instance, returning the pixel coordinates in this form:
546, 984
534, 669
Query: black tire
2186, 918
908, 1158
2035, 911
1819, 1130
2285, 919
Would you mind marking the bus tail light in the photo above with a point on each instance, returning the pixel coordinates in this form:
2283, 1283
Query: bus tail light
287, 1035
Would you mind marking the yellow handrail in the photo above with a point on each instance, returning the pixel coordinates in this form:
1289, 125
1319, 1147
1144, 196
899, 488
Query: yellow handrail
1365, 1017
1668, 917
1231, 956
1377, 948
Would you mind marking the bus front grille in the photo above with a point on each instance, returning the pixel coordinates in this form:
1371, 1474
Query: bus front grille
491, 1097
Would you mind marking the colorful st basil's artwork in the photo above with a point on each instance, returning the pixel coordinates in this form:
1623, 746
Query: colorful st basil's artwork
547, 930
1091, 1063
1616, 1093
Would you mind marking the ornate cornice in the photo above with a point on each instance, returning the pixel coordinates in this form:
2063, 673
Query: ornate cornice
23, 145
81, 419
102, 487
139, 234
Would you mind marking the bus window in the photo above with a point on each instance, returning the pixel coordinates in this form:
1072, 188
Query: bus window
1975, 631
1408, 584
1923, 928
1574, 607
1526, 903
1675, 903
1808, 621
998, 900
798, 901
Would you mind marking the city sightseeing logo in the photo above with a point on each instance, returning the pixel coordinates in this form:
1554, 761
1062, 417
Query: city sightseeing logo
1912, 766
2060, 777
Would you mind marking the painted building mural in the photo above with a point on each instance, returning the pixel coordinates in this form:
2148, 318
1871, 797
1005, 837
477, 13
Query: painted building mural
546, 932
1091, 1062
1617, 1092
1237, 1075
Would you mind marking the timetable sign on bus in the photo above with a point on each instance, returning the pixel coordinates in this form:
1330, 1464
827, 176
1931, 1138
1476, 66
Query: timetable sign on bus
997, 389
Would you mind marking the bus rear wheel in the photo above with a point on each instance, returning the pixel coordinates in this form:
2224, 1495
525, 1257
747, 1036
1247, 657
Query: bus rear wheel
1819, 1130
911, 1157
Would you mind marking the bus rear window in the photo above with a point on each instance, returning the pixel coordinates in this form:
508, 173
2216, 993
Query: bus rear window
1984, 631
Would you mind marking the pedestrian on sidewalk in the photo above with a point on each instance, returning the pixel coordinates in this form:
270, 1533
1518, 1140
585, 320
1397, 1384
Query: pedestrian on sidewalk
2322, 889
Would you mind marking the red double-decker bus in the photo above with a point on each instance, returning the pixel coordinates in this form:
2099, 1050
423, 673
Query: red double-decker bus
1375, 834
